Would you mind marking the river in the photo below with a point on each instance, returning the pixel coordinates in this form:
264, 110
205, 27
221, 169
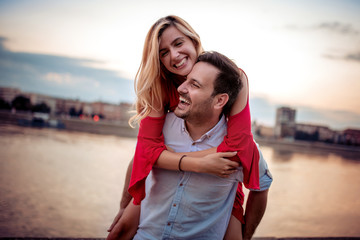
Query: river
56, 183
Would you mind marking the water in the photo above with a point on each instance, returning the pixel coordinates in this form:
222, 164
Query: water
68, 184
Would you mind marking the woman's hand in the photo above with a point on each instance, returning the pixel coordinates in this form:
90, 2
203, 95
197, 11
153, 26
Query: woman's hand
217, 164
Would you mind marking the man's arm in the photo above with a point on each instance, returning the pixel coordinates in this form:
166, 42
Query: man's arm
215, 163
255, 209
125, 198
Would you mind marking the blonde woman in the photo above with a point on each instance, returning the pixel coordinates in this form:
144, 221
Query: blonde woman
170, 51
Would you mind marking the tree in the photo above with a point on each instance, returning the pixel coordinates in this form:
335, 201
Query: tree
21, 103
42, 107
4, 104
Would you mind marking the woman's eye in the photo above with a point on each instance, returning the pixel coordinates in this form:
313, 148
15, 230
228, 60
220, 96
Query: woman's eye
163, 54
178, 44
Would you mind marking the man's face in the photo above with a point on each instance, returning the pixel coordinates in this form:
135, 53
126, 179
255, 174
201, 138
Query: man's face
196, 102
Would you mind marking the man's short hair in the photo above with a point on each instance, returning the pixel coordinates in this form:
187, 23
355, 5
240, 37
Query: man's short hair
228, 80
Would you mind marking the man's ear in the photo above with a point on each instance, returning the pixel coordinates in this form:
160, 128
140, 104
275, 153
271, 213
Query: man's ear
220, 100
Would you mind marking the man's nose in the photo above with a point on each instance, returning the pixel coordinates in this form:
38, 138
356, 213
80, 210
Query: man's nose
182, 88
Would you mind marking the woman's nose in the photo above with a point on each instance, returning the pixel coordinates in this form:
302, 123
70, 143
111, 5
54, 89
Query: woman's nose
174, 54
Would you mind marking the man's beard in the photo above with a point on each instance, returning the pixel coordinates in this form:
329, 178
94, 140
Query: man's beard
199, 114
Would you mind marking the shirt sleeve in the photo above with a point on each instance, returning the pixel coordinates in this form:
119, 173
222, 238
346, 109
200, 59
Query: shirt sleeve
150, 144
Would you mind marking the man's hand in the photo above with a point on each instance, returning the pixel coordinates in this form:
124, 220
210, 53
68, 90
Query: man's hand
255, 209
125, 223
217, 164
116, 219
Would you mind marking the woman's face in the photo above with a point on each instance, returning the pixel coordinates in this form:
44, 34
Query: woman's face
177, 51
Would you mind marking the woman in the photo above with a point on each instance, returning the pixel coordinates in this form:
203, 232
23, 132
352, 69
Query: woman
170, 51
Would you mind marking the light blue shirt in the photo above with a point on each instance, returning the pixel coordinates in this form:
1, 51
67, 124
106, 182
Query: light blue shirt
187, 205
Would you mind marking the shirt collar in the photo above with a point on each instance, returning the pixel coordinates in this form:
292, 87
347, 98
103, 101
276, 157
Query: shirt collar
208, 134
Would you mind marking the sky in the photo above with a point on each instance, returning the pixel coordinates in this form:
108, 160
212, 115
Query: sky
301, 54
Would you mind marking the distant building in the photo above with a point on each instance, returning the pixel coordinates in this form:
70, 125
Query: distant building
285, 123
311, 132
262, 131
349, 137
111, 111
40, 98
9, 94
71, 107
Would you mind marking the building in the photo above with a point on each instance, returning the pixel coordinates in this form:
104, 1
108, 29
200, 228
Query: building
349, 137
285, 123
112, 112
9, 94
71, 107
311, 132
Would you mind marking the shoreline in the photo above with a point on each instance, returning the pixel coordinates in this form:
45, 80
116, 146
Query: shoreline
123, 129
307, 146
255, 238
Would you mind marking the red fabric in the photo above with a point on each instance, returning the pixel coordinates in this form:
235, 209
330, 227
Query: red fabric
173, 98
149, 146
239, 138
238, 210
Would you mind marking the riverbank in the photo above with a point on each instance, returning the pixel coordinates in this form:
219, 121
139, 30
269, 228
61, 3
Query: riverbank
104, 127
307, 146
256, 238
123, 129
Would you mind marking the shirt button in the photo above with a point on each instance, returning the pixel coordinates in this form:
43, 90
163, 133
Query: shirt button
181, 184
168, 224
174, 205
193, 143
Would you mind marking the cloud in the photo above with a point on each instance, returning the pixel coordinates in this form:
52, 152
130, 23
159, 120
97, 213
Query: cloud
62, 77
338, 27
353, 56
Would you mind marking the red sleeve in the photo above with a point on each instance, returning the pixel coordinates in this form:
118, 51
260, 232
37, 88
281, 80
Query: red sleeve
239, 138
150, 144
238, 210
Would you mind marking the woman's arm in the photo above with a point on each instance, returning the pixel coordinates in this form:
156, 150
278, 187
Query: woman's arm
240, 139
242, 97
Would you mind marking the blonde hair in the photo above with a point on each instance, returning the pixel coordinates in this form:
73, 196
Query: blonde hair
152, 77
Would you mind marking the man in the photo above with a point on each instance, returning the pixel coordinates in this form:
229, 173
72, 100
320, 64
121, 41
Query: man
188, 205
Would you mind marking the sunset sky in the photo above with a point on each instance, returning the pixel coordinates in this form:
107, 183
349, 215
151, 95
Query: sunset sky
303, 54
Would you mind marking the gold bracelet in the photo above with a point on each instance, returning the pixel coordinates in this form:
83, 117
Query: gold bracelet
180, 163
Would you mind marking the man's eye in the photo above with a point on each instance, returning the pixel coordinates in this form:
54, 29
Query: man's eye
195, 85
